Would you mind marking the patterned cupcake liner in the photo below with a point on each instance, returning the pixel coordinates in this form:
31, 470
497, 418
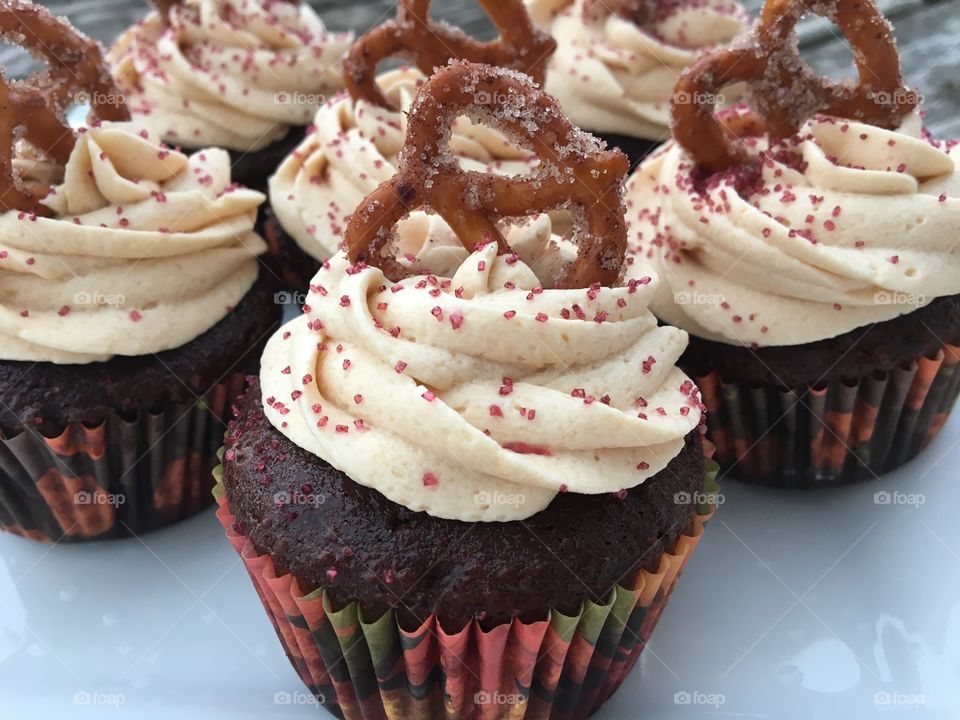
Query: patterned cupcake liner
121, 477
562, 668
838, 433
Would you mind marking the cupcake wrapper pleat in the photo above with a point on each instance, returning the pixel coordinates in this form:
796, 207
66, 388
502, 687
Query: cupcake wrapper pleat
562, 668
842, 432
124, 476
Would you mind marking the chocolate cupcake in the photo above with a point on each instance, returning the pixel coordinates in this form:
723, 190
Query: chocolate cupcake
473, 487
247, 77
616, 63
355, 139
131, 306
818, 278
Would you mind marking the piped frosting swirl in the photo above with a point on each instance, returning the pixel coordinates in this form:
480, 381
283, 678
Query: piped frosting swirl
841, 226
236, 75
480, 395
146, 249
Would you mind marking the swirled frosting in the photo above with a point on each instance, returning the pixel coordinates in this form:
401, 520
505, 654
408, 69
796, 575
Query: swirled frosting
612, 75
236, 75
353, 147
145, 250
480, 395
840, 226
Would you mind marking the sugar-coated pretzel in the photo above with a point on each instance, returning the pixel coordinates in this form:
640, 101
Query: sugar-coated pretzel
413, 36
35, 109
575, 173
784, 91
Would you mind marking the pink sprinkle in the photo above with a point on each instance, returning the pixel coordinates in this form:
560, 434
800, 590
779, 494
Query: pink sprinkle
495, 411
430, 480
429, 396
400, 367
437, 313
895, 259
342, 429
358, 398
344, 301
346, 364
643, 466
456, 320
64, 311
135, 316
307, 379
510, 314
542, 317
331, 573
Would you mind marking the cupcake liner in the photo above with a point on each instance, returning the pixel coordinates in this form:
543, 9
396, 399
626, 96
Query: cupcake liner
837, 433
124, 476
564, 667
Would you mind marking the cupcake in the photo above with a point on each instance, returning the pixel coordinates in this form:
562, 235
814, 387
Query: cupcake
473, 486
247, 77
616, 63
819, 281
131, 305
355, 139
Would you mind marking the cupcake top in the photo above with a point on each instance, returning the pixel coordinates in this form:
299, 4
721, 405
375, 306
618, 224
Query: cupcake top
843, 225
140, 249
614, 72
236, 75
353, 146
480, 394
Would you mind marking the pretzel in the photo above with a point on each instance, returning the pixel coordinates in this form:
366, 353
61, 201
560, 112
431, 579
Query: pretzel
575, 173
784, 91
35, 109
412, 35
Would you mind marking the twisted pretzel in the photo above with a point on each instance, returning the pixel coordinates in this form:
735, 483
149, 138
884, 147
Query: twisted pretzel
574, 173
412, 35
785, 92
35, 109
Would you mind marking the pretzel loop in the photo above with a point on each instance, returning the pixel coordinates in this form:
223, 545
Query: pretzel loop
412, 35
785, 92
574, 173
35, 109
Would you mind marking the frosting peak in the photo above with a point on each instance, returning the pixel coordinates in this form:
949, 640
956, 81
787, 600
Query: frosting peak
614, 76
480, 395
147, 248
231, 74
841, 226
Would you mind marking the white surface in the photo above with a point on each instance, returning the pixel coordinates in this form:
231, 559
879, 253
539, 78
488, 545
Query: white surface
796, 605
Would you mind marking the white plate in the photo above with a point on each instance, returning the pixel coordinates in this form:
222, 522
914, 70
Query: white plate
820, 604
